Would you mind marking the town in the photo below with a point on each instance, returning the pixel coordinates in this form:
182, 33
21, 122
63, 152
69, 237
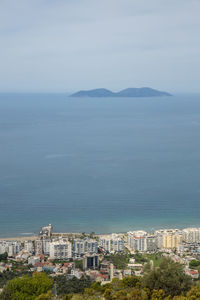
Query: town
101, 257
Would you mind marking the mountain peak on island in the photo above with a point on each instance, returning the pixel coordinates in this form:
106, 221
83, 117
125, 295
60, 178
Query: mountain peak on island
94, 93
129, 92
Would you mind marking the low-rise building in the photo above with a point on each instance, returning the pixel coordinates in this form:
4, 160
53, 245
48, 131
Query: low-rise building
193, 273
33, 260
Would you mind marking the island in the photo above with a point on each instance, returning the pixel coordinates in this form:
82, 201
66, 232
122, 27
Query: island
129, 92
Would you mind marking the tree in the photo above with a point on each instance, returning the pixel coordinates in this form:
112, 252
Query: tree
119, 260
194, 293
157, 295
69, 286
139, 258
108, 294
4, 256
179, 298
132, 281
27, 287
194, 263
92, 234
169, 276
47, 296
78, 264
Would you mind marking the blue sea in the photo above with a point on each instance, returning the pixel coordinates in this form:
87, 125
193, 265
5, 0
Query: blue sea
98, 164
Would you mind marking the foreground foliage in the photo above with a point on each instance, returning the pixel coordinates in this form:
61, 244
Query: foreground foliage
27, 288
119, 260
167, 281
169, 277
70, 286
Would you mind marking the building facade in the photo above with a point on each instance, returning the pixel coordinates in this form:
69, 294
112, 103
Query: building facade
61, 249
90, 261
112, 243
82, 246
137, 240
169, 238
191, 235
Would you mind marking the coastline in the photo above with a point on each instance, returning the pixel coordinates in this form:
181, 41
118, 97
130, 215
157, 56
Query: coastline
21, 238
72, 234
54, 234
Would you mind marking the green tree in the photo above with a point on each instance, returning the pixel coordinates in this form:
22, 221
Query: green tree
139, 258
180, 298
78, 264
158, 295
27, 288
47, 296
68, 286
4, 256
169, 276
108, 294
131, 281
194, 293
194, 263
119, 260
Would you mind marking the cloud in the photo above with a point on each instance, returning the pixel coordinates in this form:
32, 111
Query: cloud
62, 45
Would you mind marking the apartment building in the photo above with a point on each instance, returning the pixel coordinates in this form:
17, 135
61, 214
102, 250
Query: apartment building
11, 247
191, 235
61, 249
28, 246
112, 243
142, 241
86, 245
137, 240
168, 238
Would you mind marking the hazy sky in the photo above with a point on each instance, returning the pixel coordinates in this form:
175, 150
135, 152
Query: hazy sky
67, 45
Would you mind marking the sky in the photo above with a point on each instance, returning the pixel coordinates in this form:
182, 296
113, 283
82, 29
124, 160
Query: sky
68, 45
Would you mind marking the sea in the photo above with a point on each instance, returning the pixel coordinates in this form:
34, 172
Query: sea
98, 164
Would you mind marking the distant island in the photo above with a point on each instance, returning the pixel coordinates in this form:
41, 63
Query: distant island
130, 92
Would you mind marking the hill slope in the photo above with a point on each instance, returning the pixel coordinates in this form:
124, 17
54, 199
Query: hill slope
130, 92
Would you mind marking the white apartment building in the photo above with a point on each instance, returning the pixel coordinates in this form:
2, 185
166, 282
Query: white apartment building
91, 246
46, 246
117, 244
86, 245
61, 249
28, 246
112, 243
79, 246
38, 247
105, 243
191, 235
11, 247
137, 240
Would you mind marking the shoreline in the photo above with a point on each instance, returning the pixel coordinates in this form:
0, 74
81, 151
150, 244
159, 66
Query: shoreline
21, 238
87, 234
54, 234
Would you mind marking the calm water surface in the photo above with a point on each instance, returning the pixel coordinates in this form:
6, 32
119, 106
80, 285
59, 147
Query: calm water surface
102, 165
